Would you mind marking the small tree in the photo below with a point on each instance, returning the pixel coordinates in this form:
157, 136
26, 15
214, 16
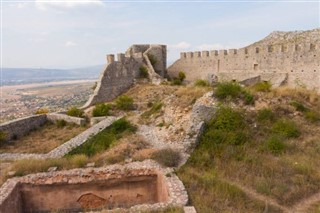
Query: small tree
124, 102
101, 109
143, 72
75, 112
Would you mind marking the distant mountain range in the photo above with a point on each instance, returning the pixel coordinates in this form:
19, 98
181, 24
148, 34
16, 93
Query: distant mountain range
11, 76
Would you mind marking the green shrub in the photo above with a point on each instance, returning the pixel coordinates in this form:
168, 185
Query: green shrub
248, 98
75, 112
61, 123
312, 116
104, 139
181, 76
176, 81
286, 128
153, 60
201, 83
298, 106
94, 86
228, 89
156, 107
3, 138
101, 109
167, 157
42, 111
143, 72
265, 115
264, 86
124, 102
179, 80
227, 127
228, 119
275, 144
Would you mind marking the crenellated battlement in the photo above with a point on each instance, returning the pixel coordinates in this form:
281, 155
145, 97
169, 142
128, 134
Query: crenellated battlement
281, 58
269, 49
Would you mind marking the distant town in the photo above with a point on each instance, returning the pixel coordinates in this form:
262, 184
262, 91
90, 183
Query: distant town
23, 100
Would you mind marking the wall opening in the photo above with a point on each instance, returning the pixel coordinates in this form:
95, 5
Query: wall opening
255, 66
218, 68
257, 49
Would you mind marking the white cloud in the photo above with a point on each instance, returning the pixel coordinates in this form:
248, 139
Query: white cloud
70, 44
180, 45
66, 4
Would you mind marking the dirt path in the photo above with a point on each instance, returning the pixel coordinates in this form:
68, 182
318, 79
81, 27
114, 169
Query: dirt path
303, 205
253, 194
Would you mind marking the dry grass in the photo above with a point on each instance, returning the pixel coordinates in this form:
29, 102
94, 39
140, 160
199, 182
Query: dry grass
125, 148
285, 177
186, 96
43, 139
24, 167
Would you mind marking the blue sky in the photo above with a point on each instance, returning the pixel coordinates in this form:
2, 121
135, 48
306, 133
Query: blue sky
69, 34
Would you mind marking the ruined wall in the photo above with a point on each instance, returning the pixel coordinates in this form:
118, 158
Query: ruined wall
21, 126
133, 186
118, 76
11, 200
290, 63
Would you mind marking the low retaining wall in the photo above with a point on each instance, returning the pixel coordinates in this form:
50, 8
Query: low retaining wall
61, 116
148, 181
20, 127
66, 147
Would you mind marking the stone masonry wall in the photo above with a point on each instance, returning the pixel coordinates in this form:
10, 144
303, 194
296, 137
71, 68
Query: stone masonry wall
172, 192
20, 127
118, 76
296, 64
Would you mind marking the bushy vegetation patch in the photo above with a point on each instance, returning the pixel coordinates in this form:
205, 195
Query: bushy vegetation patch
285, 128
179, 80
153, 59
3, 138
61, 123
275, 144
143, 72
105, 138
124, 102
201, 83
233, 90
298, 106
75, 112
101, 109
167, 157
263, 86
312, 116
155, 108
42, 111
265, 114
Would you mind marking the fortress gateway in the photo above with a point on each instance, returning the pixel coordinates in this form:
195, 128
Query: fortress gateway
283, 58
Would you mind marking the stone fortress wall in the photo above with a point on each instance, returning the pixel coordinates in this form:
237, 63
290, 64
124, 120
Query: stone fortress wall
291, 59
118, 76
